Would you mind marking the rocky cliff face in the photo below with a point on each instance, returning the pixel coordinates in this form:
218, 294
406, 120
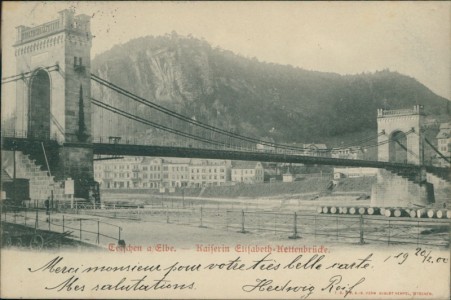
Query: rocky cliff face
247, 96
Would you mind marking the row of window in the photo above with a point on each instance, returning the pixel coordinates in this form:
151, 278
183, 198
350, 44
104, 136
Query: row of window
248, 179
151, 184
108, 174
151, 168
127, 184
204, 177
251, 172
151, 176
202, 170
157, 168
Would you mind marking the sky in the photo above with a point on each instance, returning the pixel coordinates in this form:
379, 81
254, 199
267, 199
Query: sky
412, 38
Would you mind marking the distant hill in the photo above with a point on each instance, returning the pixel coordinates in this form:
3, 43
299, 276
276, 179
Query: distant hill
255, 98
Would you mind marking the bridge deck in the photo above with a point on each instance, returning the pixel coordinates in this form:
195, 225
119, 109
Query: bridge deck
10, 143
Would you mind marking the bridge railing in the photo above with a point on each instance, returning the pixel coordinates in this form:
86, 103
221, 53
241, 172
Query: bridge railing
35, 134
84, 229
168, 143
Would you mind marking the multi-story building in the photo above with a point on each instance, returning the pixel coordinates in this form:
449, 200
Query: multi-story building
247, 172
151, 173
118, 173
157, 173
306, 149
175, 173
268, 146
129, 172
298, 149
347, 152
203, 172
316, 150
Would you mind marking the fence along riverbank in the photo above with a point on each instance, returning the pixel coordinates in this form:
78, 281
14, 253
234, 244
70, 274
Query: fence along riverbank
354, 229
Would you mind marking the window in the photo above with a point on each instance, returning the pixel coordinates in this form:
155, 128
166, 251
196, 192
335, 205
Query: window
77, 61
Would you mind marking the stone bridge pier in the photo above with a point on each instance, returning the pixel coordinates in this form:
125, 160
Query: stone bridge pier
400, 141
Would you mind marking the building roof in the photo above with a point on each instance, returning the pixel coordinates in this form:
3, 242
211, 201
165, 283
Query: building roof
176, 160
207, 162
244, 164
309, 146
316, 146
148, 160
271, 172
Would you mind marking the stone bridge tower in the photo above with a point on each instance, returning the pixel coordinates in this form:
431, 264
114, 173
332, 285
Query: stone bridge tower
400, 141
400, 132
53, 97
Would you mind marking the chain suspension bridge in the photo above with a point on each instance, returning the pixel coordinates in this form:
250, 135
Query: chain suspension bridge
64, 117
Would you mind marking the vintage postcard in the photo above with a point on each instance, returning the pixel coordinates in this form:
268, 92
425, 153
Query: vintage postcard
225, 150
